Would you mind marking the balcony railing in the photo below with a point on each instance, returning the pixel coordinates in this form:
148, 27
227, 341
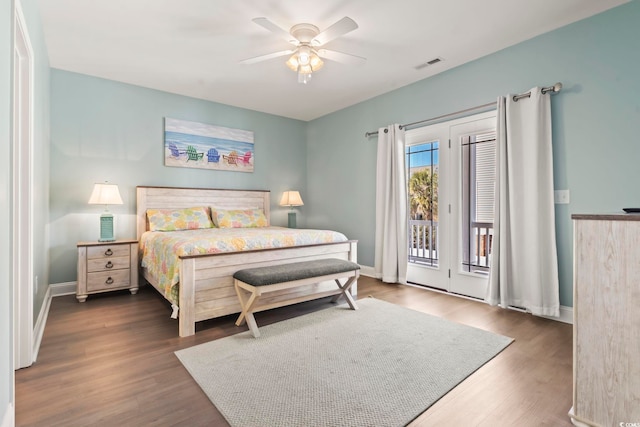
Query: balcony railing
423, 245
423, 242
477, 254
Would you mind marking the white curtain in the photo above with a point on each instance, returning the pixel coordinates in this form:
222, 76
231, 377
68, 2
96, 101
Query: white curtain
391, 206
524, 266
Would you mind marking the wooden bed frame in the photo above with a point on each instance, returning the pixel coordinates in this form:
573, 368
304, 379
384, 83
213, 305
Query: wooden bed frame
206, 281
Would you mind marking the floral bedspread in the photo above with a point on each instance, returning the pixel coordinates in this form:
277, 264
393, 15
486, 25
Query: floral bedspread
161, 249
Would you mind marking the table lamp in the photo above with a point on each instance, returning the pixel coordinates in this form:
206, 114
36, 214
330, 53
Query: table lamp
291, 199
106, 194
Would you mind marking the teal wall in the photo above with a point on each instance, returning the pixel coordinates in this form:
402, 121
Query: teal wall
6, 310
104, 130
596, 123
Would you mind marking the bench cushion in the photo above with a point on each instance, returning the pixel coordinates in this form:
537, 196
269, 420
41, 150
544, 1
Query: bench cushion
262, 276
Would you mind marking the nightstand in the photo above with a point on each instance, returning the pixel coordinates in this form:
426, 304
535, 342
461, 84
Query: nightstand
107, 266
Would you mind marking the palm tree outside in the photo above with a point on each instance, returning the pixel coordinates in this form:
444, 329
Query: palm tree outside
422, 165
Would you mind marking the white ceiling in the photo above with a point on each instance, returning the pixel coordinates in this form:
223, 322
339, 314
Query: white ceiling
192, 47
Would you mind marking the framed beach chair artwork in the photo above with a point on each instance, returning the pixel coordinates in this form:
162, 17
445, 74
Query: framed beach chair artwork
204, 146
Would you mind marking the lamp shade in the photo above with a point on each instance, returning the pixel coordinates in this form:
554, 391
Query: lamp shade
291, 198
105, 194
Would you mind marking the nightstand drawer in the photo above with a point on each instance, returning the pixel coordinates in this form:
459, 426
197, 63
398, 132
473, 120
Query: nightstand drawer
108, 251
107, 264
108, 280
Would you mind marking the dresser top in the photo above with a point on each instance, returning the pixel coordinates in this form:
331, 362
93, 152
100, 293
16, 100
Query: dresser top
608, 217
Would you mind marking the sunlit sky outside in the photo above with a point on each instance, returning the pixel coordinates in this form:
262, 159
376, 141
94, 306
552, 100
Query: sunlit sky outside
421, 155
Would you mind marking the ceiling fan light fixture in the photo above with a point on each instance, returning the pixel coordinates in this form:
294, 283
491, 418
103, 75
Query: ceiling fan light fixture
304, 62
315, 62
293, 62
307, 38
305, 69
304, 55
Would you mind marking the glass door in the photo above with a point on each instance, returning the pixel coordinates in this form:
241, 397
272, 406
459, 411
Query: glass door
427, 227
473, 145
451, 176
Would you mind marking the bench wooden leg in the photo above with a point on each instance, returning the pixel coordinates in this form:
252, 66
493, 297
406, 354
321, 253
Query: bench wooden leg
346, 292
247, 305
253, 326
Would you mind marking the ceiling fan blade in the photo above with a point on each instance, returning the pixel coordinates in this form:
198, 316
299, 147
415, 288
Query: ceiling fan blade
277, 30
338, 29
344, 58
261, 58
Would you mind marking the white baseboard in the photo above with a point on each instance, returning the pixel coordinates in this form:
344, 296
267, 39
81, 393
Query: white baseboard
8, 420
566, 315
38, 328
66, 288
365, 270
54, 290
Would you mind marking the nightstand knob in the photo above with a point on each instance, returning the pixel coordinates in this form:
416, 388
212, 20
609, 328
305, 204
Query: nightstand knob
108, 252
109, 265
109, 281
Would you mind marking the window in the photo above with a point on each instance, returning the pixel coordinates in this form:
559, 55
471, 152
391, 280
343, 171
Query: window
422, 166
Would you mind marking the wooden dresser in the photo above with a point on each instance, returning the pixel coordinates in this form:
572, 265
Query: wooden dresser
606, 320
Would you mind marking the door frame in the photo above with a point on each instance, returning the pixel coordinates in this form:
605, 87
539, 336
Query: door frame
21, 263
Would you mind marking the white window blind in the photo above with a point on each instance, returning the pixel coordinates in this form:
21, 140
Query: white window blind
485, 176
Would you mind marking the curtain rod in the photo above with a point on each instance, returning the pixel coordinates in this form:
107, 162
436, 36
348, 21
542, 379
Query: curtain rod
554, 89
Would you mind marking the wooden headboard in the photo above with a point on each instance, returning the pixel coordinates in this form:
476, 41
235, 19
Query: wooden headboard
175, 197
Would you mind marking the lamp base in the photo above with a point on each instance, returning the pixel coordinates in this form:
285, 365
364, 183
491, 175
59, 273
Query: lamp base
292, 220
106, 228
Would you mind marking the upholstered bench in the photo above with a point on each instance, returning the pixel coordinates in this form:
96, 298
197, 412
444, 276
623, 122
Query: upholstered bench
252, 283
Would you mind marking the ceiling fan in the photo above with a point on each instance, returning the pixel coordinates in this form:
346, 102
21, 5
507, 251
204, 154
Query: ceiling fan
307, 39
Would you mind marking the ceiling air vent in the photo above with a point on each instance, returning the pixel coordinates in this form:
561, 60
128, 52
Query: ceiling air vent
428, 63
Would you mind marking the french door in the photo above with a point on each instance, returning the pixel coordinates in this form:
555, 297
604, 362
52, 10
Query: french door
451, 176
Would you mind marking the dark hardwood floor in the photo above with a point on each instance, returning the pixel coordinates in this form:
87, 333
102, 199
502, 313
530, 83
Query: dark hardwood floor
110, 362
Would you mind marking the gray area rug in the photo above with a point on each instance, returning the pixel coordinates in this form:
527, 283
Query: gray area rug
382, 365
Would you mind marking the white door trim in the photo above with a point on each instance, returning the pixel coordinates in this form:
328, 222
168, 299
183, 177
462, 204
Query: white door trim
22, 193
